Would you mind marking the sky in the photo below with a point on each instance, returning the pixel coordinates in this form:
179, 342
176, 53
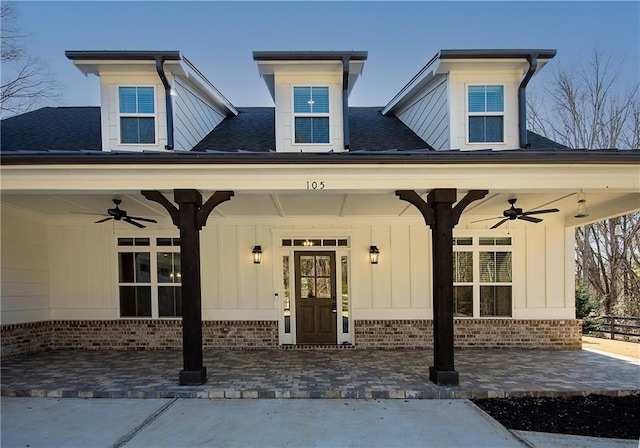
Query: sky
400, 37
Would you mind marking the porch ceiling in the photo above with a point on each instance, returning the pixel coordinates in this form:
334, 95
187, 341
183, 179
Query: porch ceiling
314, 204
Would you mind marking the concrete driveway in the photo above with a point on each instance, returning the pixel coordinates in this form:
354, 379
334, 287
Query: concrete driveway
50, 422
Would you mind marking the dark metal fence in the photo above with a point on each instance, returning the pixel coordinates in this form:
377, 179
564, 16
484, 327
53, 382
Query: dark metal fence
623, 326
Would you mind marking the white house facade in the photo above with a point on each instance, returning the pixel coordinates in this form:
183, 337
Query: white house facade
328, 223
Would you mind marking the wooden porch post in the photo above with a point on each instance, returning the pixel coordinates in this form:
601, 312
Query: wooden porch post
190, 217
442, 217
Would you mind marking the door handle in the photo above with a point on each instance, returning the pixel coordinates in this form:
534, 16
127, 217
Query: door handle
334, 309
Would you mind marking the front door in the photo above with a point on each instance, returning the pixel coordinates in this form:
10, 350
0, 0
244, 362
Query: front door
315, 297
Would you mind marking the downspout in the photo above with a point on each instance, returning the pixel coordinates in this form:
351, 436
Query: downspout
345, 101
168, 101
522, 100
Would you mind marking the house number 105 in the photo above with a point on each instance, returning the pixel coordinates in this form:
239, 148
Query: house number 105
315, 185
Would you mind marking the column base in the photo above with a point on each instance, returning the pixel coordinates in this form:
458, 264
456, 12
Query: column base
193, 377
444, 377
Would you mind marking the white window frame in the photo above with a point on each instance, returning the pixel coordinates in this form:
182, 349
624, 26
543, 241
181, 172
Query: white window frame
295, 115
154, 115
153, 249
483, 114
475, 248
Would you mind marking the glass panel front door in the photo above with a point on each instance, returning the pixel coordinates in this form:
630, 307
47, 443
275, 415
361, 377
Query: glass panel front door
316, 312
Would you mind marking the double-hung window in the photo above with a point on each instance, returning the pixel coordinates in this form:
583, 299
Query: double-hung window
485, 111
149, 277
311, 114
482, 277
137, 115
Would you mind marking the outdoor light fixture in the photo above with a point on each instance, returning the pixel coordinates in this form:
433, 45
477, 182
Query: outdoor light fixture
256, 253
582, 205
374, 254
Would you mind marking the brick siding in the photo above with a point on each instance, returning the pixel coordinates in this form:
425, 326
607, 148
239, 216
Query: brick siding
22, 339
159, 334
132, 334
471, 333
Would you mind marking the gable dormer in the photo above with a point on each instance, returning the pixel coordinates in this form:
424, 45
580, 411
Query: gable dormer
470, 99
152, 100
311, 95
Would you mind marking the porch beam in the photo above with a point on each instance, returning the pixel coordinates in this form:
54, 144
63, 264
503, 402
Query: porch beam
440, 214
190, 216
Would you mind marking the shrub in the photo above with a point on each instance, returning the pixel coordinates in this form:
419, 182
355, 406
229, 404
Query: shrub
586, 309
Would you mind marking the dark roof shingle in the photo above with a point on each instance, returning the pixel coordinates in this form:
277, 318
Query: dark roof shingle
252, 130
53, 129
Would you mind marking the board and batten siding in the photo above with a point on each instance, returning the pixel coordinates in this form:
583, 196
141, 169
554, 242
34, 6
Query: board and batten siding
25, 264
428, 115
194, 116
67, 269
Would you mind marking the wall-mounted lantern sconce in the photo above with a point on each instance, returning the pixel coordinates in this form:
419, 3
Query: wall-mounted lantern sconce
582, 205
374, 254
256, 253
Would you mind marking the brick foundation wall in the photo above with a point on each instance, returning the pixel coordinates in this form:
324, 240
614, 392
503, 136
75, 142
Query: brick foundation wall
132, 334
471, 333
159, 334
21, 339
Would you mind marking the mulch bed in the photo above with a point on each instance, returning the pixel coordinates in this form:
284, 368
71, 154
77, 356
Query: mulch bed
594, 415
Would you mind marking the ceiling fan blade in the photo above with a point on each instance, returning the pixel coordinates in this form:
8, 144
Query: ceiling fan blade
127, 219
537, 212
103, 220
530, 219
500, 223
142, 219
487, 219
84, 213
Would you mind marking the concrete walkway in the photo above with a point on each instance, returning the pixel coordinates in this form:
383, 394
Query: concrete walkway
41, 422
116, 423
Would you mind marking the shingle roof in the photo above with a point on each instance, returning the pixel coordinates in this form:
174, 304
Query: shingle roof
253, 129
53, 128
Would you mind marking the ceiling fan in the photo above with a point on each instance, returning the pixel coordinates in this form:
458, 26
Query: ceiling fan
514, 213
118, 214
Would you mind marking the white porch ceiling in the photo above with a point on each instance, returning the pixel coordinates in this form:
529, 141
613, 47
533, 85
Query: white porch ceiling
327, 205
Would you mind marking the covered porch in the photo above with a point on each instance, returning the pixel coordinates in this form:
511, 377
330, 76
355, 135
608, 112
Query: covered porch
78, 282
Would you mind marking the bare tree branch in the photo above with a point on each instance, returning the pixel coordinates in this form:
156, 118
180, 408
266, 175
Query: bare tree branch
585, 107
26, 81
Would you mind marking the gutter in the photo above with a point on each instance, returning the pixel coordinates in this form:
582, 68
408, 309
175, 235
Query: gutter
522, 100
168, 100
533, 157
345, 101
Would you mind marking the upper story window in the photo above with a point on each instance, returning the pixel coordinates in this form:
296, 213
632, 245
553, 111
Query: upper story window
137, 115
311, 114
485, 109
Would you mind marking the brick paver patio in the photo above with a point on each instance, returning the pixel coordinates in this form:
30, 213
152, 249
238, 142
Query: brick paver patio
346, 373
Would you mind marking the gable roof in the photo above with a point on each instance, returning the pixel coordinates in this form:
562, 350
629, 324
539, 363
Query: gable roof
53, 129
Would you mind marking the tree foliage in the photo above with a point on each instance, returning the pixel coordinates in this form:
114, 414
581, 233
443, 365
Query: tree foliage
26, 81
586, 107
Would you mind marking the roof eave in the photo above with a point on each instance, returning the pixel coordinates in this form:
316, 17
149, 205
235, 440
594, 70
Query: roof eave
120, 55
536, 157
309, 55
